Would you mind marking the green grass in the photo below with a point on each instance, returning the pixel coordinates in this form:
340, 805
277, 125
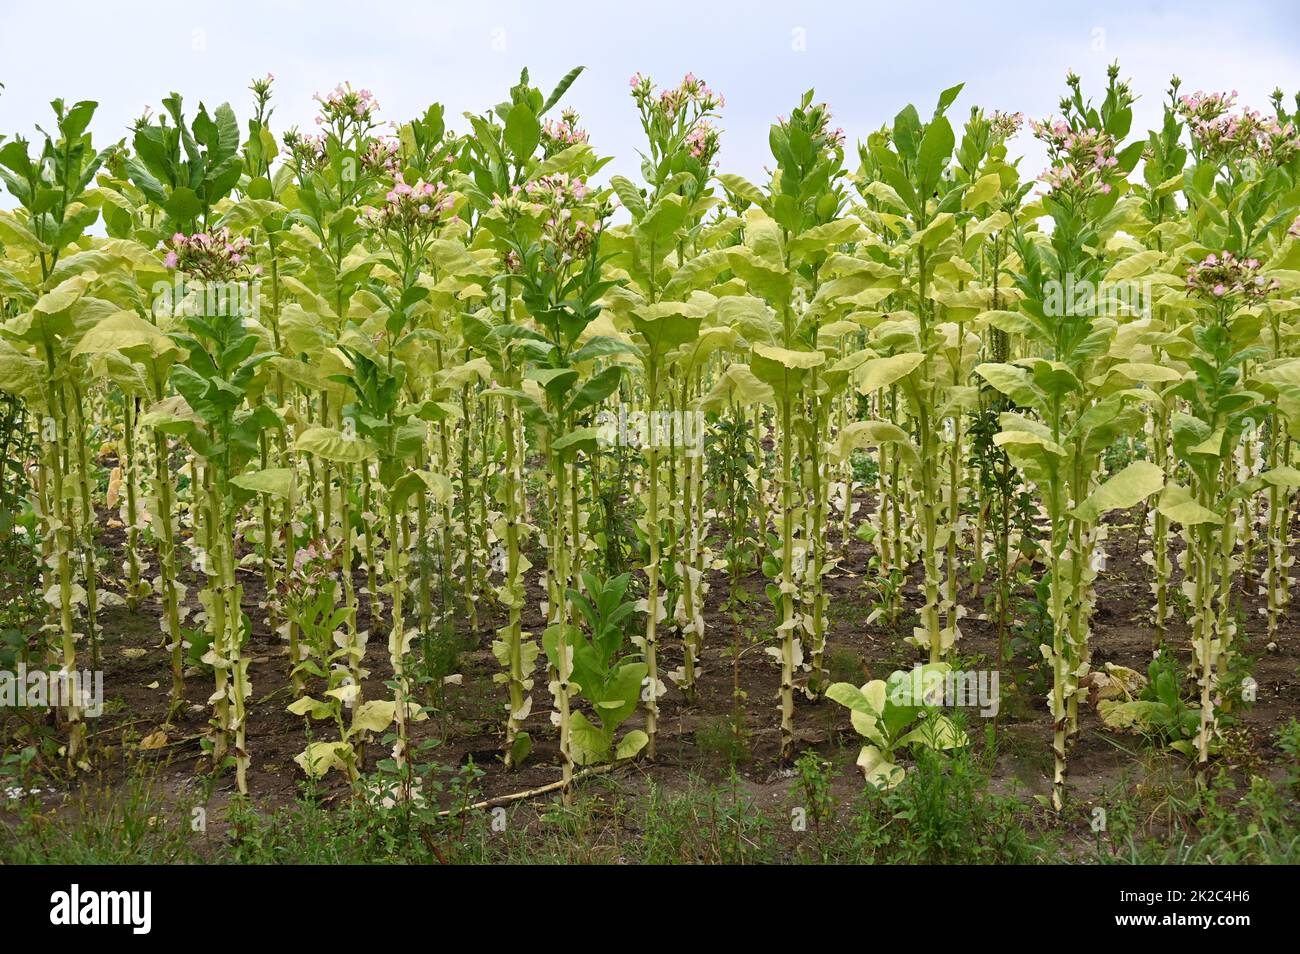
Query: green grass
942, 813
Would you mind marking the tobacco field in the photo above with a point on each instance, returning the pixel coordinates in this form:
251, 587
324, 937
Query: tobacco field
417, 489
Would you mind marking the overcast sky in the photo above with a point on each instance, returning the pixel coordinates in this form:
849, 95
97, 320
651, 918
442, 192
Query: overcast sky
866, 59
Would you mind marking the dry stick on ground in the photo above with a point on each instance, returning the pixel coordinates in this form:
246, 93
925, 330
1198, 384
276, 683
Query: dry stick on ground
534, 792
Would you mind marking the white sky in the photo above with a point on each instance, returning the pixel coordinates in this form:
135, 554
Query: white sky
866, 59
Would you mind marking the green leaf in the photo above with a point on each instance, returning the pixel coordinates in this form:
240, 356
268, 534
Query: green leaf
874, 433
631, 744
983, 189
737, 385
589, 743
276, 481
1126, 489
741, 187
665, 325
629, 195
877, 373
932, 158
523, 132
562, 87
1176, 503
320, 757
374, 715
329, 444
578, 439
821, 237
183, 205
879, 771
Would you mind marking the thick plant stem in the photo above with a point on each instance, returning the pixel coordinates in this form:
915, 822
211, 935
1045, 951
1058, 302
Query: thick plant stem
130, 467
651, 693
788, 621
345, 571
817, 550
514, 590
929, 630
239, 665
165, 533
87, 528
397, 637
59, 518
690, 593
216, 606
468, 569
929, 633
368, 536
268, 541
564, 667
953, 516
1060, 669
1160, 532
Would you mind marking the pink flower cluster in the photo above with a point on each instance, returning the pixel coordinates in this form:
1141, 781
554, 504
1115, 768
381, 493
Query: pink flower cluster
307, 152
313, 566
1294, 230
1224, 275
557, 189
670, 102
1201, 107
381, 156
1083, 161
1220, 133
562, 134
1277, 143
411, 208
703, 141
343, 104
1006, 125
212, 256
571, 225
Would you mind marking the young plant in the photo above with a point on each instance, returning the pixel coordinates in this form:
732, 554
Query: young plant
601, 674
894, 714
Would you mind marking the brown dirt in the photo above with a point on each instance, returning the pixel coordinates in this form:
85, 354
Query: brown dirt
472, 718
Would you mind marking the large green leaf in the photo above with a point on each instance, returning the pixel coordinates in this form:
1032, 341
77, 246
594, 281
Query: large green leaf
276, 481
877, 373
329, 444
1129, 487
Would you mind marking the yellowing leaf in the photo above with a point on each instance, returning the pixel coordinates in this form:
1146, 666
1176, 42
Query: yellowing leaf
276, 481
876, 373
335, 446
1131, 485
1177, 504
